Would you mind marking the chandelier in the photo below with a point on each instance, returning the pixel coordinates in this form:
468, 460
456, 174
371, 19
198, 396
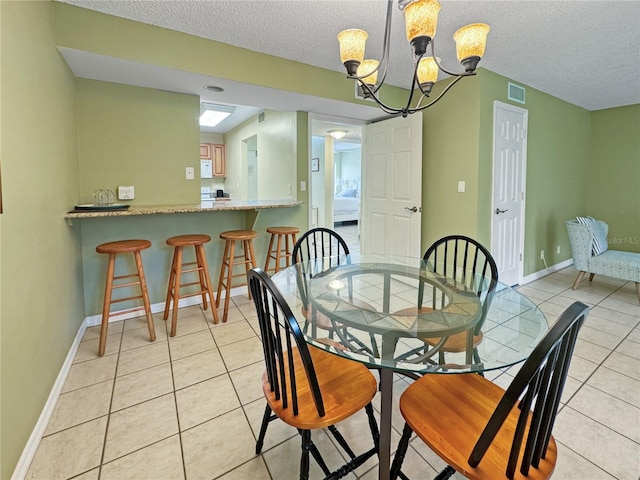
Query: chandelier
421, 19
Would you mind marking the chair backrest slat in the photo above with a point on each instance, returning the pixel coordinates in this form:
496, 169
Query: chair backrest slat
525, 406
314, 244
539, 382
558, 387
282, 341
472, 265
319, 243
543, 397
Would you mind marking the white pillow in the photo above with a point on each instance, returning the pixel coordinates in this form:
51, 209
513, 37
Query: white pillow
598, 238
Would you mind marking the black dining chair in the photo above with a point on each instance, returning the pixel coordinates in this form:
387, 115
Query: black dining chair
483, 431
329, 248
307, 387
470, 265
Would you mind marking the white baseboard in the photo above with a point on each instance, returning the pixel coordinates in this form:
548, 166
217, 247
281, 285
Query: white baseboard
547, 271
32, 444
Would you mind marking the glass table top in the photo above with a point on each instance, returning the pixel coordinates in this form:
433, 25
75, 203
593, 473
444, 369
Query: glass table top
381, 307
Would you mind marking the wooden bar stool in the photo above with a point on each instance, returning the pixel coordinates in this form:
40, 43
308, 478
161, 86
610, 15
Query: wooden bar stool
178, 268
229, 261
277, 234
112, 249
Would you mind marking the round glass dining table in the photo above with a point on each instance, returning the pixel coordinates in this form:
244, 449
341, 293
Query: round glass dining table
395, 314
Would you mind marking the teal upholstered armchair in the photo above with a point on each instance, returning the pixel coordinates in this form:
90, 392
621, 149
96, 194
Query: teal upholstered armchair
591, 254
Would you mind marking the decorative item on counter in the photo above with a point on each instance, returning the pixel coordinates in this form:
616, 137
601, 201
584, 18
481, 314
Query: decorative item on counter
220, 196
103, 198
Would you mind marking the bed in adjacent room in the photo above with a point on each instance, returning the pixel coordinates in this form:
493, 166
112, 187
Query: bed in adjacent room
346, 206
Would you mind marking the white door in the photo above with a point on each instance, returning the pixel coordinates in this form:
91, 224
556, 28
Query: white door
392, 187
509, 173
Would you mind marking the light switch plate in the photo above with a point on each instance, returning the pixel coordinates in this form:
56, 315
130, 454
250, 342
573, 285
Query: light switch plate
190, 173
461, 186
126, 192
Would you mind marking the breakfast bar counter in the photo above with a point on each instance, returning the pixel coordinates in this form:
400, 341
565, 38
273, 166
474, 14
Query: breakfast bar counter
93, 226
117, 210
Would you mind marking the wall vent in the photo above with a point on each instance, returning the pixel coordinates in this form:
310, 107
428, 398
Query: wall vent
516, 93
261, 117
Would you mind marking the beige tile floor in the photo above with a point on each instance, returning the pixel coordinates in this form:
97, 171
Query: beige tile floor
190, 406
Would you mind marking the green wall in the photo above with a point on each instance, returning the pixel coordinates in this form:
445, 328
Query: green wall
40, 275
41, 174
138, 136
96, 32
578, 163
613, 175
132, 103
276, 136
558, 142
450, 153
276, 155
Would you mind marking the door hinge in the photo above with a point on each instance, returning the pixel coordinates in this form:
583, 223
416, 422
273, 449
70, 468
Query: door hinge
520, 257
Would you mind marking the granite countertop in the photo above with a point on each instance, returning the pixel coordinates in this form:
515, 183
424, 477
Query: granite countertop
204, 206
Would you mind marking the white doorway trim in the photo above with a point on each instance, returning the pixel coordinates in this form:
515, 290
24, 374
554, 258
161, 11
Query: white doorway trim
327, 181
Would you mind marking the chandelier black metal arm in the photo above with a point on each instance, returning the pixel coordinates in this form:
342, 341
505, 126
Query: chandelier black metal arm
366, 75
407, 110
384, 61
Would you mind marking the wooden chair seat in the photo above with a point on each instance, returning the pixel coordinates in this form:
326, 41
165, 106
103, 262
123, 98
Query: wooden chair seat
346, 386
451, 428
325, 323
307, 387
123, 246
485, 432
472, 267
455, 343
332, 343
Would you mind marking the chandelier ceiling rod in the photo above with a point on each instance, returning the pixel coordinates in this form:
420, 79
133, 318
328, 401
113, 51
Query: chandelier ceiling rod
421, 18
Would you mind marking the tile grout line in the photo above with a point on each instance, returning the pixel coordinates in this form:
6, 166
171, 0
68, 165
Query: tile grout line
242, 314
113, 389
175, 401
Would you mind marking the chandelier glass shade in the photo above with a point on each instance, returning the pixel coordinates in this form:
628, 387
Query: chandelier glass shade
421, 21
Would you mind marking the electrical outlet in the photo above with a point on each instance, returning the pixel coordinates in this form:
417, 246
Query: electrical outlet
190, 173
290, 189
541, 254
303, 186
558, 249
126, 193
462, 185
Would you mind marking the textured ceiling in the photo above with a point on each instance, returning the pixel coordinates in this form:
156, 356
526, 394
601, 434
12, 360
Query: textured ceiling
584, 52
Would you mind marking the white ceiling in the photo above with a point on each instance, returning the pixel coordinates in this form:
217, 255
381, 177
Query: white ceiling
584, 52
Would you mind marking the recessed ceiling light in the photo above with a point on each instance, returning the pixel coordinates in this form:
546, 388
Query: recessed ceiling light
212, 114
214, 88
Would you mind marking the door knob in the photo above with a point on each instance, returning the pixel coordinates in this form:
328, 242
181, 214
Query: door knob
498, 211
413, 209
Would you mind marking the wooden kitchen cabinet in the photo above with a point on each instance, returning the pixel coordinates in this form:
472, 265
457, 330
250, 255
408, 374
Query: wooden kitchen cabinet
216, 153
205, 151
